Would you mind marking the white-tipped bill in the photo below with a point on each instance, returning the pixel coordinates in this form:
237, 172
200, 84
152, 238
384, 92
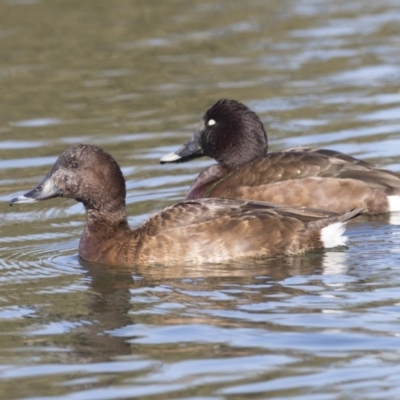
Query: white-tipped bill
170, 157
23, 199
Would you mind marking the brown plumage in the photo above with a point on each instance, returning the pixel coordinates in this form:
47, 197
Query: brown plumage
234, 136
198, 231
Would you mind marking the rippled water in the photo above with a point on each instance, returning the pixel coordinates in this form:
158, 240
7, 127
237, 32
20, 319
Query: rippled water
134, 77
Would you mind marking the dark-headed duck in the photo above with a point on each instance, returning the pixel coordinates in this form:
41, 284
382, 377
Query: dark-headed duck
234, 136
197, 231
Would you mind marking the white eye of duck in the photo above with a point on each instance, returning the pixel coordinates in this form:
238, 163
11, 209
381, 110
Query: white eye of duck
211, 122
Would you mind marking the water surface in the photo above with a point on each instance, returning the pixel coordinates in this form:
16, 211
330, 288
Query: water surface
134, 77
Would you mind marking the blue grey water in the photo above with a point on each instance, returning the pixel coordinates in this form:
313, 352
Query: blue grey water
134, 77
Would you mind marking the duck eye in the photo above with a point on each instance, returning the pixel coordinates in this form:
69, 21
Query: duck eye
211, 122
74, 165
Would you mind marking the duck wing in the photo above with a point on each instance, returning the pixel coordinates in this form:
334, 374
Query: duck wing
288, 165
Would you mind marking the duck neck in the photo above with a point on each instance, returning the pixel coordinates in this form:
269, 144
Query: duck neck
107, 218
103, 235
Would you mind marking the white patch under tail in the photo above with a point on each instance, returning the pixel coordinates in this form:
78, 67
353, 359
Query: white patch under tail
332, 235
393, 203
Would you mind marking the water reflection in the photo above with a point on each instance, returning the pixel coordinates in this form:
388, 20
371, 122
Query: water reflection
119, 298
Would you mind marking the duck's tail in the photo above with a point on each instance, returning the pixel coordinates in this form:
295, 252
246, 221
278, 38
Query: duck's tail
330, 231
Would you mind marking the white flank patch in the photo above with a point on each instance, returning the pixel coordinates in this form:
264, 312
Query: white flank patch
394, 203
332, 235
170, 157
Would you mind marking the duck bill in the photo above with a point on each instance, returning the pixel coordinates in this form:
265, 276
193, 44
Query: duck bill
46, 189
189, 151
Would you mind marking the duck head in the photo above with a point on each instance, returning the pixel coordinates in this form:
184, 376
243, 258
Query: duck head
229, 132
85, 173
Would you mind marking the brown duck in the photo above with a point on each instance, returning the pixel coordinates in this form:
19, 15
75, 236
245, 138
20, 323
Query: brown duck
234, 136
197, 231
